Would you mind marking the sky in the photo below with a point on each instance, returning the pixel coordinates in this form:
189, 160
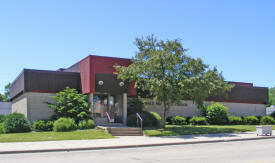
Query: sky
238, 37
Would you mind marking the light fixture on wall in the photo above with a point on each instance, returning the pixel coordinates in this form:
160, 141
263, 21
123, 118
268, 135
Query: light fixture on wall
121, 84
100, 82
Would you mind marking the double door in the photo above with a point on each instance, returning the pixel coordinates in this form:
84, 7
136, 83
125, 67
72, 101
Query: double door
108, 103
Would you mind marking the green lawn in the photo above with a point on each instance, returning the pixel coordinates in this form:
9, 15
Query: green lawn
52, 136
175, 130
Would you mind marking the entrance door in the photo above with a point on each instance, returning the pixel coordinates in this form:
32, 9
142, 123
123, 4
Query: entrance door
108, 103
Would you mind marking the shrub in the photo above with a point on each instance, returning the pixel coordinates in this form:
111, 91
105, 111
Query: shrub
198, 121
177, 120
265, 120
16, 123
169, 120
70, 104
1, 128
135, 105
156, 119
86, 124
250, 120
64, 124
188, 119
43, 125
2, 118
273, 114
216, 114
150, 119
132, 120
235, 120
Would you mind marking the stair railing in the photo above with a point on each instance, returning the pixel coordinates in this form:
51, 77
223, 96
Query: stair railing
108, 118
139, 119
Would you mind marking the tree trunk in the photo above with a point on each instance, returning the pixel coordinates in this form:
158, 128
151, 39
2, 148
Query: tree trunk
163, 119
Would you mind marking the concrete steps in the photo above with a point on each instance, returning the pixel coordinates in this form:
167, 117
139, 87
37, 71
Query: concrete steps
124, 131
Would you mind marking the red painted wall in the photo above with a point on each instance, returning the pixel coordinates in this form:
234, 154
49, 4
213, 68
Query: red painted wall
91, 65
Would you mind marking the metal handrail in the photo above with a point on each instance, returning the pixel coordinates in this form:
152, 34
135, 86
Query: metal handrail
141, 120
108, 117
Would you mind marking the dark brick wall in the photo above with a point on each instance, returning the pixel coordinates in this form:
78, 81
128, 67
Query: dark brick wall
44, 81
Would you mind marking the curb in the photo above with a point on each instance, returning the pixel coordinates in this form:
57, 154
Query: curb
132, 146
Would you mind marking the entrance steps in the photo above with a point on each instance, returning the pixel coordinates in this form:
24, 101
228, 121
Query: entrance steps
118, 129
125, 131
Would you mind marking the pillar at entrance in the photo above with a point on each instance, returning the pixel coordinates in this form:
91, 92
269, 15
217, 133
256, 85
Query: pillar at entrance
91, 97
124, 108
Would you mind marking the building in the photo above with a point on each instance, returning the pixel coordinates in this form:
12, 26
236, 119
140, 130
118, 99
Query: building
96, 77
5, 108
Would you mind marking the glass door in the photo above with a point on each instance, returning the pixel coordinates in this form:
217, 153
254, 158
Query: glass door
108, 103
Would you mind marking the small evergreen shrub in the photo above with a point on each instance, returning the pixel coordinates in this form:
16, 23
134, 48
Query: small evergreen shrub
198, 121
266, 120
216, 114
177, 120
86, 124
69, 103
2, 118
64, 124
1, 128
150, 119
43, 125
235, 120
16, 123
250, 120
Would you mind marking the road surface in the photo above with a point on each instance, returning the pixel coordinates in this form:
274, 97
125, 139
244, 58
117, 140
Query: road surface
258, 151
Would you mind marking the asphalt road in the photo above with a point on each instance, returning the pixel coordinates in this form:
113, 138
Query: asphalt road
258, 151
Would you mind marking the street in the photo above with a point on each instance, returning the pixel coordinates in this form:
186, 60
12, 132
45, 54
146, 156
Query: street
258, 151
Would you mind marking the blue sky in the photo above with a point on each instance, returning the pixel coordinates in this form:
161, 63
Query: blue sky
236, 36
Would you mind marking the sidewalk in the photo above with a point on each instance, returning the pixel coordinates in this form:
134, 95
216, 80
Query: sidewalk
124, 142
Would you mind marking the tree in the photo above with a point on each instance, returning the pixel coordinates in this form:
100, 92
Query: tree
70, 104
271, 96
162, 69
6, 96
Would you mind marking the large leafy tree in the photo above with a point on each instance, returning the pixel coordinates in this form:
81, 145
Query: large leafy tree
162, 69
69, 103
6, 96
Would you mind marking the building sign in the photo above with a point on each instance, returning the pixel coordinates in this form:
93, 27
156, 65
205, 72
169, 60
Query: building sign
151, 102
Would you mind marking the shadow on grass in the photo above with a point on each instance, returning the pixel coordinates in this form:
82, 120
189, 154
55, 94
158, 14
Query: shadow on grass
194, 130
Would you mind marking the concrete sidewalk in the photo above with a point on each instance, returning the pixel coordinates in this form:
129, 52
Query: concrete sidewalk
124, 142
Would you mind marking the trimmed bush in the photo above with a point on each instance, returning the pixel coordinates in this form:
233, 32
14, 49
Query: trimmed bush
1, 128
177, 120
16, 123
43, 125
216, 114
235, 120
169, 120
198, 121
273, 115
89, 124
135, 105
265, 120
188, 119
150, 119
132, 120
2, 118
156, 119
64, 124
250, 120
